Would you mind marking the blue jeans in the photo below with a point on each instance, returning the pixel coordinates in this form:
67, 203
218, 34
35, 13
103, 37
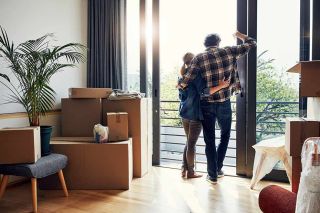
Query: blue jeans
222, 113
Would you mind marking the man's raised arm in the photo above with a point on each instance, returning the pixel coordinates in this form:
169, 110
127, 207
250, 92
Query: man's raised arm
244, 48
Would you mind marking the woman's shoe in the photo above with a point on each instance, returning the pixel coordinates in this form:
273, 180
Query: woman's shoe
193, 175
183, 172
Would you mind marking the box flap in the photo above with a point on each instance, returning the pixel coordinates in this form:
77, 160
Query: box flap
117, 113
300, 65
89, 144
68, 142
19, 128
89, 92
295, 69
291, 119
76, 139
299, 119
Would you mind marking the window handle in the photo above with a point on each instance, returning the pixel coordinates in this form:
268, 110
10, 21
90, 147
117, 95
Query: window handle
155, 93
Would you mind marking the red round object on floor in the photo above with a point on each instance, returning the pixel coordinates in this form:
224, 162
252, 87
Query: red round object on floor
274, 199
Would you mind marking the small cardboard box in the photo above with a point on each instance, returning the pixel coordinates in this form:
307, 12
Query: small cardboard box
93, 166
137, 110
297, 131
78, 116
118, 126
296, 173
20, 145
310, 77
89, 92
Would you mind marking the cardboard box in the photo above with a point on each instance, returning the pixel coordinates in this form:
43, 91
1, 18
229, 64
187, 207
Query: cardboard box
89, 92
20, 145
313, 110
117, 123
297, 131
138, 130
310, 77
93, 166
78, 116
296, 173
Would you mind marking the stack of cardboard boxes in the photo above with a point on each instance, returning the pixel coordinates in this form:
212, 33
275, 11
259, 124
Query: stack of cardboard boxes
299, 129
100, 166
137, 110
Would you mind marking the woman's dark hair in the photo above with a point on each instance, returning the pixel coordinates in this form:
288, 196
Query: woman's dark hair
212, 40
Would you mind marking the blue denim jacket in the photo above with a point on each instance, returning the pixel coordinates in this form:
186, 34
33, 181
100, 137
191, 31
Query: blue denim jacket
190, 99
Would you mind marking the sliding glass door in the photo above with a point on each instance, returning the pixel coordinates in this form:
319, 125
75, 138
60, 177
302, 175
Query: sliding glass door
277, 92
168, 29
270, 93
183, 27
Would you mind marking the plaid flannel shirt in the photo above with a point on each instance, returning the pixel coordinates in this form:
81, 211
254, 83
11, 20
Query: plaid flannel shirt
215, 64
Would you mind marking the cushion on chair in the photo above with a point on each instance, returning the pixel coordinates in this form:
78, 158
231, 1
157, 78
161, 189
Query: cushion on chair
274, 199
44, 167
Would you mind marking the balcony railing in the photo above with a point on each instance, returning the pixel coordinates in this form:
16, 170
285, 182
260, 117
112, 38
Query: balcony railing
270, 123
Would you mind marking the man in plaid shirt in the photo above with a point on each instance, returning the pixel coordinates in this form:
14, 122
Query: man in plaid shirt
218, 68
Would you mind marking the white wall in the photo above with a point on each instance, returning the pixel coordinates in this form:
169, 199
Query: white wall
21, 119
29, 19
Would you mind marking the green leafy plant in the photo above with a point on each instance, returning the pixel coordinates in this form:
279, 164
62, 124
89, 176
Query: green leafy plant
33, 63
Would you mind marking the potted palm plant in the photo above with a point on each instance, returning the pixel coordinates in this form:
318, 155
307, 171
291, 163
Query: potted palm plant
33, 63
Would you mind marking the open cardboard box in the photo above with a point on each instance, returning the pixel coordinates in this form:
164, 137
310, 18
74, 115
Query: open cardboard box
310, 77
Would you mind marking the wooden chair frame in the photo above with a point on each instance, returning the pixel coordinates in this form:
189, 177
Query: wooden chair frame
34, 187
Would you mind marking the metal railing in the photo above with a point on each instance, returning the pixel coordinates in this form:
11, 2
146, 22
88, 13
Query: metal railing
270, 123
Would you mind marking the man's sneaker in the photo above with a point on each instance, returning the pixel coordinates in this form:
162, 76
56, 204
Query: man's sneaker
220, 174
212, 180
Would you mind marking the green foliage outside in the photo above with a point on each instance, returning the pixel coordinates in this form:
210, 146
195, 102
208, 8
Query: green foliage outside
169, 97
273, 88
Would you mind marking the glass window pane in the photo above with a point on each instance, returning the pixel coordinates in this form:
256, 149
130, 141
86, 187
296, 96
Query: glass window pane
133, 46
278, 49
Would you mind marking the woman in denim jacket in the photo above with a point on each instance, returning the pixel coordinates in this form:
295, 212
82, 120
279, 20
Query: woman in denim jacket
191, 115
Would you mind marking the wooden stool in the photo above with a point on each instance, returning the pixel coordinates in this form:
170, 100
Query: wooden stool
45, 166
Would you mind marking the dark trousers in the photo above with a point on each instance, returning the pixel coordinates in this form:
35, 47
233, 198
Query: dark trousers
212, 112
192, 129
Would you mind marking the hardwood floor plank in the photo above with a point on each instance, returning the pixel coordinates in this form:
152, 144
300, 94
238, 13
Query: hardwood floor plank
161, 191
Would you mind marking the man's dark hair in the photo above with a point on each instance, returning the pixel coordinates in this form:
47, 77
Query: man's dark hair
212, 40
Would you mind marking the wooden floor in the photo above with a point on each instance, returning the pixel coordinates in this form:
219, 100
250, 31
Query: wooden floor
162, 190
